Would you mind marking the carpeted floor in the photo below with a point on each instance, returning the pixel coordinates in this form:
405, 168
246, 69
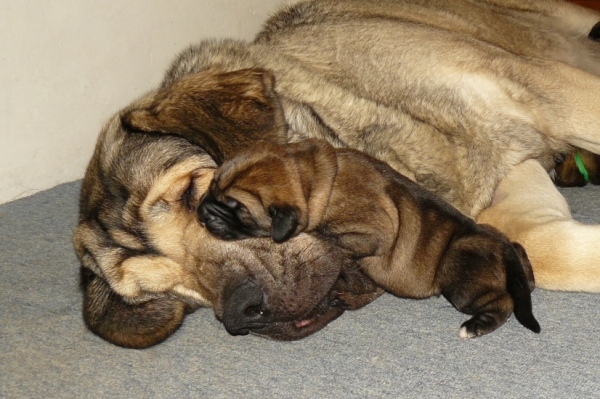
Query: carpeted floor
393, 348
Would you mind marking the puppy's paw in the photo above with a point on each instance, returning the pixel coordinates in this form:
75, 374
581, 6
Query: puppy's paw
480, 324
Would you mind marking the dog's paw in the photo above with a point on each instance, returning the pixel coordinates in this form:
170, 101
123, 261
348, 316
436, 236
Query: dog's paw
478, 325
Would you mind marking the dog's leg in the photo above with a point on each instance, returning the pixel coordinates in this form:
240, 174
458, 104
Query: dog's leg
527, 207
473, 288
488, 318
569, 111
470, 276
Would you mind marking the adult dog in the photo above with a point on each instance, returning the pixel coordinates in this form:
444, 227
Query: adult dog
471, 99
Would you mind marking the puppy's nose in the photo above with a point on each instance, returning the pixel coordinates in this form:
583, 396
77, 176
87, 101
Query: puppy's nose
210, 209
244, 309
218, 218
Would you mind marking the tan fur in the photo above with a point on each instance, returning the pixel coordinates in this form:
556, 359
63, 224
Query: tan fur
529, 210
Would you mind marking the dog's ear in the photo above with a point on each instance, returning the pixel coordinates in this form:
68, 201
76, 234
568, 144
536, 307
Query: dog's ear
525, 263
284, 221
222, 112
138, 325
135, 326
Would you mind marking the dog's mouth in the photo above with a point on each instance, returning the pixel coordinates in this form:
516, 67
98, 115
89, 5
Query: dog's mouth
352, 290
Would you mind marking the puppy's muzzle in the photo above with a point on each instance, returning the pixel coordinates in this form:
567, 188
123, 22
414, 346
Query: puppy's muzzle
220, 219
245, 310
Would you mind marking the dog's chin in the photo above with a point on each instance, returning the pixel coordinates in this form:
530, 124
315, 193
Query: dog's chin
302, 327
329, 309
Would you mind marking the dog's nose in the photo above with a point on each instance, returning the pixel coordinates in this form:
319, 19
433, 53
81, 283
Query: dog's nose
244, 309
210, 210
216, 217
220, 218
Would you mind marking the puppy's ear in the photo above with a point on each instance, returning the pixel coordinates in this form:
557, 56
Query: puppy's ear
525, 263
222, 112
284, 221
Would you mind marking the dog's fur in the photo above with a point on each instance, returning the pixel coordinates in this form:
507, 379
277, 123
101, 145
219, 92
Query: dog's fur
407, 240
471, 99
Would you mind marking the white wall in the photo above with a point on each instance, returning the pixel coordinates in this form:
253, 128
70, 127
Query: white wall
67, 66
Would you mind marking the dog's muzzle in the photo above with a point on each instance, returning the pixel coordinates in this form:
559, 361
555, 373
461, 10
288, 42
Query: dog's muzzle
245, 310
220, 219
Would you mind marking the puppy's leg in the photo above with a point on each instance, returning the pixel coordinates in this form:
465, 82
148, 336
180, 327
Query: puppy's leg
528, 208
489, 315
472, 278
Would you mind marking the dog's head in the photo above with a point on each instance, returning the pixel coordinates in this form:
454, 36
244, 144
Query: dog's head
270, 190
147, 260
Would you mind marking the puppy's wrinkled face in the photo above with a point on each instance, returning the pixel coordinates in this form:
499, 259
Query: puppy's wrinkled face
299, 286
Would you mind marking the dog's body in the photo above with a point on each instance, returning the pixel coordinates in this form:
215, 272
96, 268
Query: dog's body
471, 99
408, 241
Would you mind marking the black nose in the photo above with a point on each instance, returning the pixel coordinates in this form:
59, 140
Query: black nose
244, 309
218, 218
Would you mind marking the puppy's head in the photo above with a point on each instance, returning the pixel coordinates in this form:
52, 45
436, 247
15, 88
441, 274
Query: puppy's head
147, 260
270, 190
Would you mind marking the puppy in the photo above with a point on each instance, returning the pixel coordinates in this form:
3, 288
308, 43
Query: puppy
406, 239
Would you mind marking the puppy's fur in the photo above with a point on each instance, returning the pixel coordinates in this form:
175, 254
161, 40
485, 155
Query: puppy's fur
406, 239
472, 99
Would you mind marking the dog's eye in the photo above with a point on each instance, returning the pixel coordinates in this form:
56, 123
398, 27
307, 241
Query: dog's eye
188, 195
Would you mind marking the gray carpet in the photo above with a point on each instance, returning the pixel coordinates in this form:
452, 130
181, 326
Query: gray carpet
393, 348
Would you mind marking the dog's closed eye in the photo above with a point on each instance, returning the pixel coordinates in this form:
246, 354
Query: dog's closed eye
187, 196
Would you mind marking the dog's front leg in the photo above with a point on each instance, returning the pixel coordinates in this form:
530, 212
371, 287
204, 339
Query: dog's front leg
527, 207
570, 109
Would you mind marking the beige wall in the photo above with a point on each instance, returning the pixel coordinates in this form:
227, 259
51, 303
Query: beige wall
66, 66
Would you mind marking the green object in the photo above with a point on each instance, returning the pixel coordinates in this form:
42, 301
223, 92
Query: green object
581, 167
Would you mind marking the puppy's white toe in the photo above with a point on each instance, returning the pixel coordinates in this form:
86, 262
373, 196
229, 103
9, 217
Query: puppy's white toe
464, 334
